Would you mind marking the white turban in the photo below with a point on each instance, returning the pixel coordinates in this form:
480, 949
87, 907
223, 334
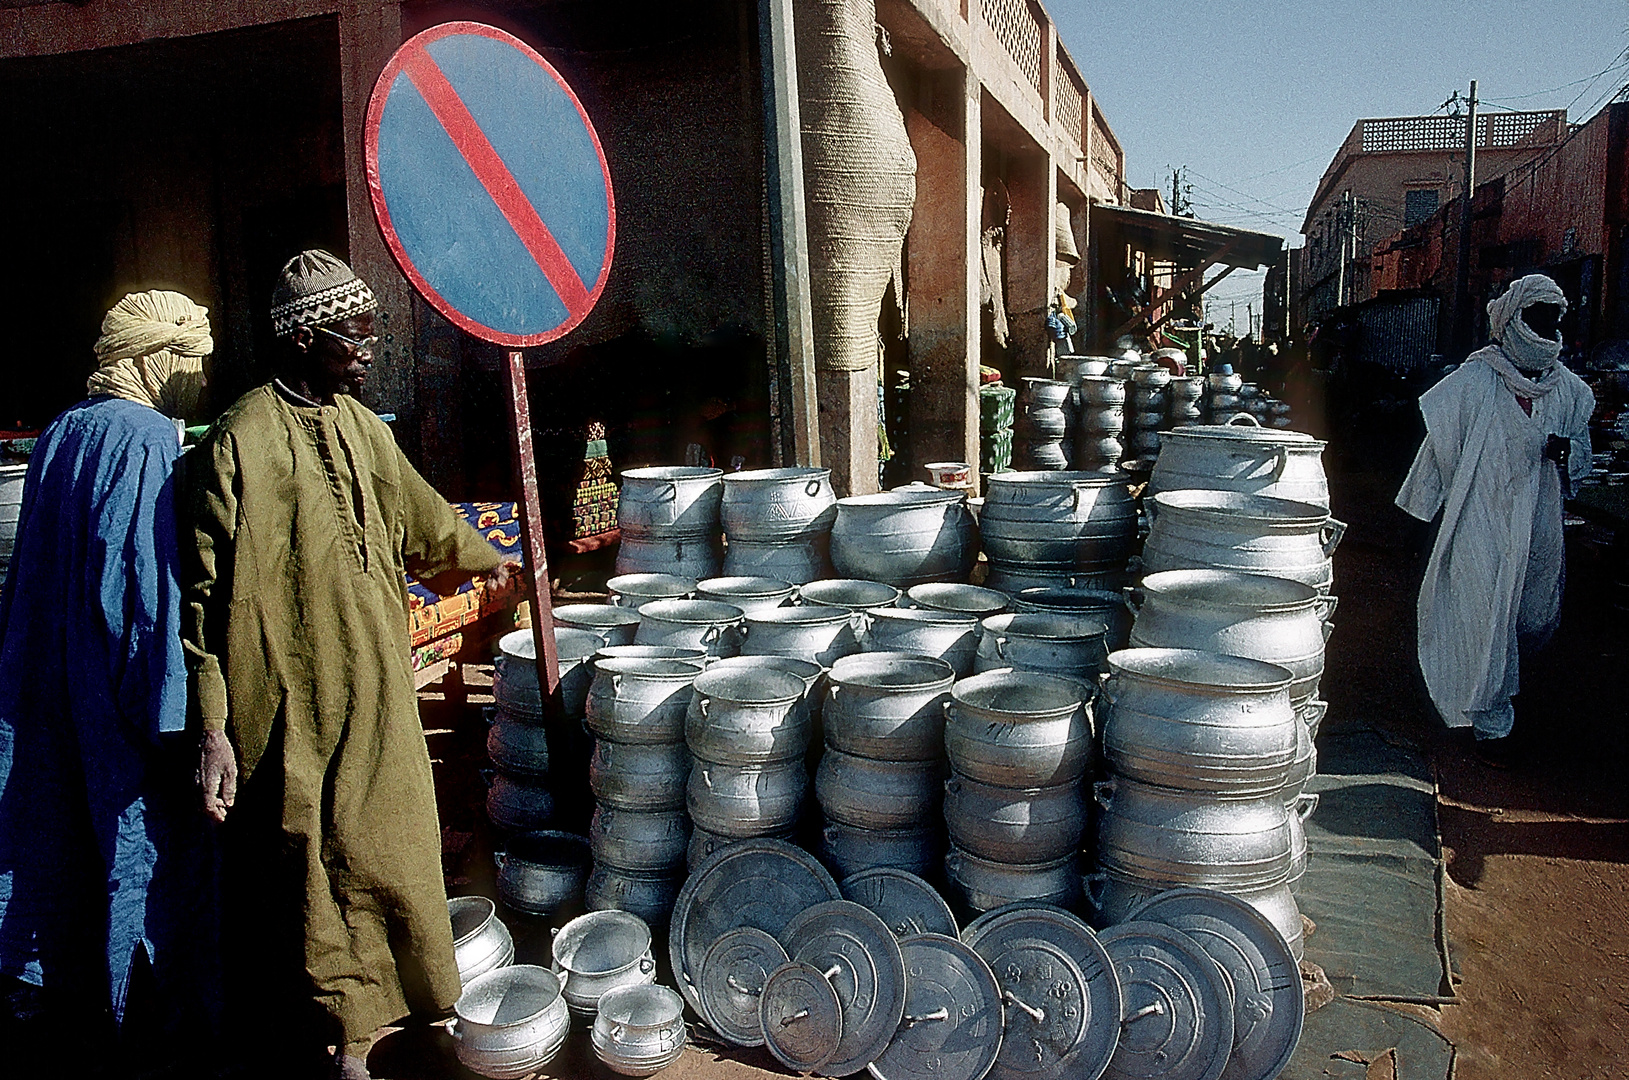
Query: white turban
151, 351
1528, 350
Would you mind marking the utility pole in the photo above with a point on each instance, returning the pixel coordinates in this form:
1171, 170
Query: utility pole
1462, 270
1342, 217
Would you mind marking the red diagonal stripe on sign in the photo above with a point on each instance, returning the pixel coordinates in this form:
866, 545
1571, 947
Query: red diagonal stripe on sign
495, 176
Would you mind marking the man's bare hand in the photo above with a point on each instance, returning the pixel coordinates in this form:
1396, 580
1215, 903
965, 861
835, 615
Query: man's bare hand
499, 579
217, 774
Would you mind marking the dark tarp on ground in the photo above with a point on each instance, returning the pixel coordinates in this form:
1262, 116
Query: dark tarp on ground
1362, 1031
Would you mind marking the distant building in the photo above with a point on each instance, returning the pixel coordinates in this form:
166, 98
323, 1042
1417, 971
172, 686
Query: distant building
1392, 173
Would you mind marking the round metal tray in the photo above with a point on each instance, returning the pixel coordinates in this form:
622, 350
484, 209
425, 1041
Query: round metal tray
952, 1025
861, 956
801, 1017
1060, 989
758, 883
1178, 1020
899, 898
1269, 1004
731, 983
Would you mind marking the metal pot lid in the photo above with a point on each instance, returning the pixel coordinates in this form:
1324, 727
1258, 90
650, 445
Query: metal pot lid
952, 1025
760, 883
1060, 988
1178, 1022
906, 903
1268, 1001
861, 956
731, 983
801, 1018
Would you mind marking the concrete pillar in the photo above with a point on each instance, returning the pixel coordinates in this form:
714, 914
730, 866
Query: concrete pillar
942, 253
1032, 188
848, 428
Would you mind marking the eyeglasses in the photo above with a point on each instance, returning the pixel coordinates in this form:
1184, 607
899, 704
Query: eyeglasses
366, 345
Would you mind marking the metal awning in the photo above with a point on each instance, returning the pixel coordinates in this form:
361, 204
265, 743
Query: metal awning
1193, 246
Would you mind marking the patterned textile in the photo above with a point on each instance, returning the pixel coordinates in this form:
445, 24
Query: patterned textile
431, 616
594, 503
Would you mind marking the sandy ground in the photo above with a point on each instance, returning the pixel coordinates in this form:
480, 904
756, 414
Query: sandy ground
1538, 893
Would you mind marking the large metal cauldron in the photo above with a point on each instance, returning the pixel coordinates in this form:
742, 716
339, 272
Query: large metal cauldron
888, 706
670, 501
517, 748
1031, 641
983, 885
1264, 618
742, 717
541, 872
693, 557
1011, 825
816, 633
639, 841
796, 559
743, 801
1242, 456
944, 635
1199, 721
1224, 530
904, 537
636, 776
640, 701
704, 624
847, 850
775, 504
511, 1021
1018, 729
648, 894
637, 590
1058, 520
1158, 834
1101, 605
871, 794
514, 672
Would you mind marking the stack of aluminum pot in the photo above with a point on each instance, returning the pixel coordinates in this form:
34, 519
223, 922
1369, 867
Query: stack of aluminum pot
1100, 422
1019, 744
1043, 426
1183, 407
747, 730
884, 761
1146, 404
777, 523
669, 517
526, 750
1057, 529
636, 710
1200, 747
1222, 395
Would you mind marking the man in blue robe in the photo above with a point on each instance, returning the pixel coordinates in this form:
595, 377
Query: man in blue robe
105, 857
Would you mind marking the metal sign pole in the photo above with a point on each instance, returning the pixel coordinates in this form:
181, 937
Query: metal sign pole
531, 532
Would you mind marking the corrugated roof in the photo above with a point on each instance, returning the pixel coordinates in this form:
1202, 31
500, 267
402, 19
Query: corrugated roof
1187, 242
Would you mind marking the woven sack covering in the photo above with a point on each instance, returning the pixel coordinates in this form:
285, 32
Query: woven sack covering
859, 176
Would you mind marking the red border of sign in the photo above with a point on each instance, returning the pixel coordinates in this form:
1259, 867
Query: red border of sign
381, 213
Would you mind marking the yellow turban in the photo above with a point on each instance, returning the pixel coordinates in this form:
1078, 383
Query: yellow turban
152, 351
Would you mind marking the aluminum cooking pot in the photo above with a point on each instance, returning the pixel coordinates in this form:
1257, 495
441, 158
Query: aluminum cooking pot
481, 942
1226, 530
615, 624
705, 624
599, 952
888, 705
944, 635
1079, 521
1018, 729
983, 885
796, 560
514, 804
1034, 641
635, 776
815, 633
692, 557
871, 794
850, 594
1114, 896
1199, 721
638, 1030
514, 671
904, 537
636, 590
519, 749
649, 894
743, 801
670, 501
1011, 825
510, 1022
744, 717
770, 504
1103, 605
962, 599
849, 850
640, 701
747, 593
1243, 456
541, 872
631, 840
1192, 838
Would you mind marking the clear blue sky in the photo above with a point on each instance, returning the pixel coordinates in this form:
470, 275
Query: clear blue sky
1254, 97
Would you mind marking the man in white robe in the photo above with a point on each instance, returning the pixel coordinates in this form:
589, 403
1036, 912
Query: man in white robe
1506, 434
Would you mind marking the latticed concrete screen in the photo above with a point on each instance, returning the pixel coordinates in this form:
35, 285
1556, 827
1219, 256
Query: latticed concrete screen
1448, 132
1016, 27
1067, 102
1105, 158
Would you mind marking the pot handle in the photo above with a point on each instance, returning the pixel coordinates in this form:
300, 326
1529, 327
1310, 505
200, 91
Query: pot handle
1076, 508
1317, 709
647, 965
1325, 606
616, 684
1133, 597
490, 714
1305, 804
953, 862
1328, 628
1150, 507
500, 857
711, 635
701, 705
1103, 682
617, 1030
944, 707
952, 786
812, 488
1283, 455
1329, 537
1247, 417
707, 778
1103, 793
1094, 883
1001, 646
671, 494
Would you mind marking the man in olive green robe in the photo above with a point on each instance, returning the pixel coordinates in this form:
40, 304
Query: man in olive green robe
305, 515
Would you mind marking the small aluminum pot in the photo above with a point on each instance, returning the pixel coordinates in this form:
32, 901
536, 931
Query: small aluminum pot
1014, 824
1058, 644
744, 801
636, 590
816, 633
888, 706
519, 749
639, 701
648, 894
943, 635
871, 794
541, 872
630, 840
639, 1030
695, 624
983, 885
1018, 729
616, 625
1101, 390
741, 717
516, 805
848, 850
851, 594
510, 1022
972, 600
599, 952
636, 776
481, 942
747, 593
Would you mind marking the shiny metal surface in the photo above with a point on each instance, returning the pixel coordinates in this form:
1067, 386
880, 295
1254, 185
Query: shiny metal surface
888, 706
962, 599
631, 840
1005, 824
746, 801
768, 504
747, 717
944, 635
601, 951
819, 634
693, 557
862, 960
668, 500
1225, 530
731, 982
615, 624
902, 900
801, 1017
510, 1022
649, 894
542, 871
514, 804
703, 624
1246, 457
1115, 896
1065, 520
1042, 641
871, 794
797, 560
849, 850
1106, 606
638, 776
1191, 838
1018, 729
1178, 1021
749, 593
904, 537
633, 700
638, 1030
519, 749
853, 594
984, 885
636, 590
481, 942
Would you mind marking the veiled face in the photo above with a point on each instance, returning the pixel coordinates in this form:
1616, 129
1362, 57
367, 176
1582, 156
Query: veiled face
1543, 319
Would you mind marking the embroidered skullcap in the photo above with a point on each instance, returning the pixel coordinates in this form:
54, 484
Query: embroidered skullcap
315, 289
